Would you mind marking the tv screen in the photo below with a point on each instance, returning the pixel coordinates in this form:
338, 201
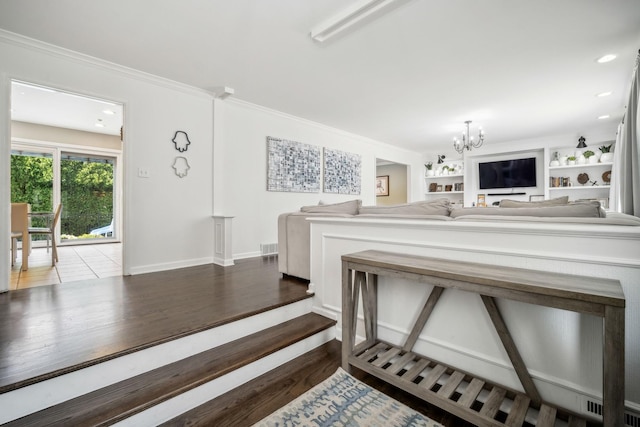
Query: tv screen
508, 173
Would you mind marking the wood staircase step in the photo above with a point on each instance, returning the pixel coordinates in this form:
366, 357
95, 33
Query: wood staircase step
256, 399
123, 399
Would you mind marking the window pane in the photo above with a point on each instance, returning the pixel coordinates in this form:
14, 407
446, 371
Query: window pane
86, 188
32, 182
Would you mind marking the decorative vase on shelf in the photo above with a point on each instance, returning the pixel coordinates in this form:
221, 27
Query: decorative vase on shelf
581, 160
431, 172
563, 160
571, 162
592, 160
554, 163
606, 158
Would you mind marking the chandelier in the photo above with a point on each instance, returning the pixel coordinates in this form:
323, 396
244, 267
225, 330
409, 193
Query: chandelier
467, 142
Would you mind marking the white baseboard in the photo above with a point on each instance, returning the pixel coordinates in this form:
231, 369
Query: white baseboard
247, 255
223, 262
152, 268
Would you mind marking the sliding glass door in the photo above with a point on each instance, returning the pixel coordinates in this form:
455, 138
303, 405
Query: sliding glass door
83, 181
86, 192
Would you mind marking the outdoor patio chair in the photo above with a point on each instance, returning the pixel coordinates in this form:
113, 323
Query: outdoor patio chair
20, 230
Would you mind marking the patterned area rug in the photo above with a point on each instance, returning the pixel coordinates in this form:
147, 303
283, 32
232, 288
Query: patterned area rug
342, 400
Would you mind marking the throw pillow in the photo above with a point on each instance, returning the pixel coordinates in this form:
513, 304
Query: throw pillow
432, 207
351, 207
507, 203
582, 209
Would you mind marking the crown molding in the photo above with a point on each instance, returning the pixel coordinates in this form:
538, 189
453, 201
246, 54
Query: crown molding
101, 64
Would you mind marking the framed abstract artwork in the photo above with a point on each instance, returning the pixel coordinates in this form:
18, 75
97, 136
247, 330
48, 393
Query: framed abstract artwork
341, 172
292, 166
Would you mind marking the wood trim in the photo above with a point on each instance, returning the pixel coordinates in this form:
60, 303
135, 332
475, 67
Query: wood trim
511, 349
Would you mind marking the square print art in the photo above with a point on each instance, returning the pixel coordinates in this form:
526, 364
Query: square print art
292, 166
341, 172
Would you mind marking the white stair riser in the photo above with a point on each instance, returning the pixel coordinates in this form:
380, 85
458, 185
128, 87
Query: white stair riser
171, 408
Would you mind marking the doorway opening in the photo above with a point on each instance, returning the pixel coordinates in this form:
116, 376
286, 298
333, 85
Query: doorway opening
391, 183
66, 149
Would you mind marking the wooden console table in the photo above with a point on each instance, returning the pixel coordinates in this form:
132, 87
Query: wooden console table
450, 388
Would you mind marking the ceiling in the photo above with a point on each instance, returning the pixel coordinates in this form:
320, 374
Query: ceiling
48, 106
408, 76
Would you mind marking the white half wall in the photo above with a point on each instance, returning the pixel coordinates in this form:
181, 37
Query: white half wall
561, 349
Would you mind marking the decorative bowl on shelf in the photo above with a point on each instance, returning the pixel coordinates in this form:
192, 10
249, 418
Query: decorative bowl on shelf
583, 178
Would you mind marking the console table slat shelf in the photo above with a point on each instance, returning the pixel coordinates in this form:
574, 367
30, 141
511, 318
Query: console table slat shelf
460, 393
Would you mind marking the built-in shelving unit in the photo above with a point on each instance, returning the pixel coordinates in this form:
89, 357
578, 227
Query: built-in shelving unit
442, 180
564, 180
553, 181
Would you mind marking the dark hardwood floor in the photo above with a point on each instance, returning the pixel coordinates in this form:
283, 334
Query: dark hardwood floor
50, 330
46, 331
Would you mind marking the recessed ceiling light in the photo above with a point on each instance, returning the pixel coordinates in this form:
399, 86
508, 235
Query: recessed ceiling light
603, 94
606, 116
99, 125
607, 58
109, 112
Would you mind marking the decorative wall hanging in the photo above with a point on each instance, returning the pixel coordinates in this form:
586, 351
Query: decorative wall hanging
181, 166
181, 141
292, 166
341, 172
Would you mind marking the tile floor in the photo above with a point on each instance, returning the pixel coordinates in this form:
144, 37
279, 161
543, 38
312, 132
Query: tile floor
75, 263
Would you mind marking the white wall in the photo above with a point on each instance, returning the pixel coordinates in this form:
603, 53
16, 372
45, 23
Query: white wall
240, 165
167, 219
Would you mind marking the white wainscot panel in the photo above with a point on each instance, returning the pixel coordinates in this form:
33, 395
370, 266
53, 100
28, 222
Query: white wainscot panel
561, 349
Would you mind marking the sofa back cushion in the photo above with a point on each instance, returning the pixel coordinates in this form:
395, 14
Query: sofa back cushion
432, 207
558, 201
578, 209
351, 207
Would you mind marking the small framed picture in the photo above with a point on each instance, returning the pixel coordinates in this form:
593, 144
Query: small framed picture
481, 201
439, 187
382, 185
536, 197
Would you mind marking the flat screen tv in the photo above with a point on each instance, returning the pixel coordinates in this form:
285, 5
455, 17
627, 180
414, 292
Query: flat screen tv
508, 173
